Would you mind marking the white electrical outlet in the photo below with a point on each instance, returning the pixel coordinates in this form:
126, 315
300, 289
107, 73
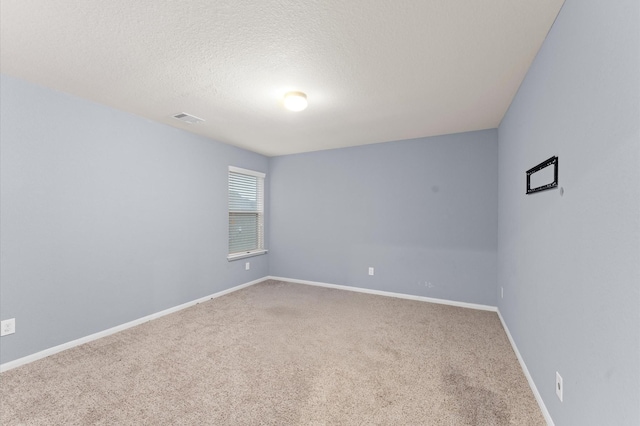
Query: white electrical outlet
370, 270
559, 386
502, 292
8, 327
247, 266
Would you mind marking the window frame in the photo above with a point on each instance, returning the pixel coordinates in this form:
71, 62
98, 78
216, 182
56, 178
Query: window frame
260, 228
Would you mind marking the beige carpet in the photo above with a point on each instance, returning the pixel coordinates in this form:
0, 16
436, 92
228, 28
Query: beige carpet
284, 354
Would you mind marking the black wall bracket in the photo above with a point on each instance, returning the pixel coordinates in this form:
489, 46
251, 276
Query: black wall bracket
553, 161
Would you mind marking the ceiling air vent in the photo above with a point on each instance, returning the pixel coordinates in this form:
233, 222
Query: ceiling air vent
189, 119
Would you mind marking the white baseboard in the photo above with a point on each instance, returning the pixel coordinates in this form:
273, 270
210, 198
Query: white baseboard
47, 352
532, 385
390, 294
54, 350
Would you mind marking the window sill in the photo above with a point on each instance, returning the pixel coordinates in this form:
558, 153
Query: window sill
236, 256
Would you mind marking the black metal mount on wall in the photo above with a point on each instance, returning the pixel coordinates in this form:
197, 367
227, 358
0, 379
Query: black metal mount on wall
551, 161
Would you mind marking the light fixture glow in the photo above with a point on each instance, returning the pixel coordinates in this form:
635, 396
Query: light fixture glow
295, 101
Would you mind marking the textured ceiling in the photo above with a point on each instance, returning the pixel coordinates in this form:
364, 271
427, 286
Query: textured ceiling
373, 70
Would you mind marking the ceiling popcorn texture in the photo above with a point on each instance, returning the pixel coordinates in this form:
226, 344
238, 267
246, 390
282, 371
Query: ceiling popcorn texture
373, 70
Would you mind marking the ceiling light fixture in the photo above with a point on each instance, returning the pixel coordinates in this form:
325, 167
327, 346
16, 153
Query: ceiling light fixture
295, 101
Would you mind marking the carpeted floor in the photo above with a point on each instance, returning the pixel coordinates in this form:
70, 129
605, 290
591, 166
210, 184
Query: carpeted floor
284, 354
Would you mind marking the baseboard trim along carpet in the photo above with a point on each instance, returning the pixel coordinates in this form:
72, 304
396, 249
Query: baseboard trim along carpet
284, 353
525, 370
47, 352
54, 350
390, 294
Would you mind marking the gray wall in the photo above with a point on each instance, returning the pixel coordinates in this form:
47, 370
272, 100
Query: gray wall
419, 211
105, 217
570, 265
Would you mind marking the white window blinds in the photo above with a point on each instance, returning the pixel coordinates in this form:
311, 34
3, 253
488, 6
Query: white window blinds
246, 212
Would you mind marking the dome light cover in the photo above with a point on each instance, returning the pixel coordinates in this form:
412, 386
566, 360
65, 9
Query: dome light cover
295, 101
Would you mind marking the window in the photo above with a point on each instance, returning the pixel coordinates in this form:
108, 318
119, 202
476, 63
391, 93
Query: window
246, 213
